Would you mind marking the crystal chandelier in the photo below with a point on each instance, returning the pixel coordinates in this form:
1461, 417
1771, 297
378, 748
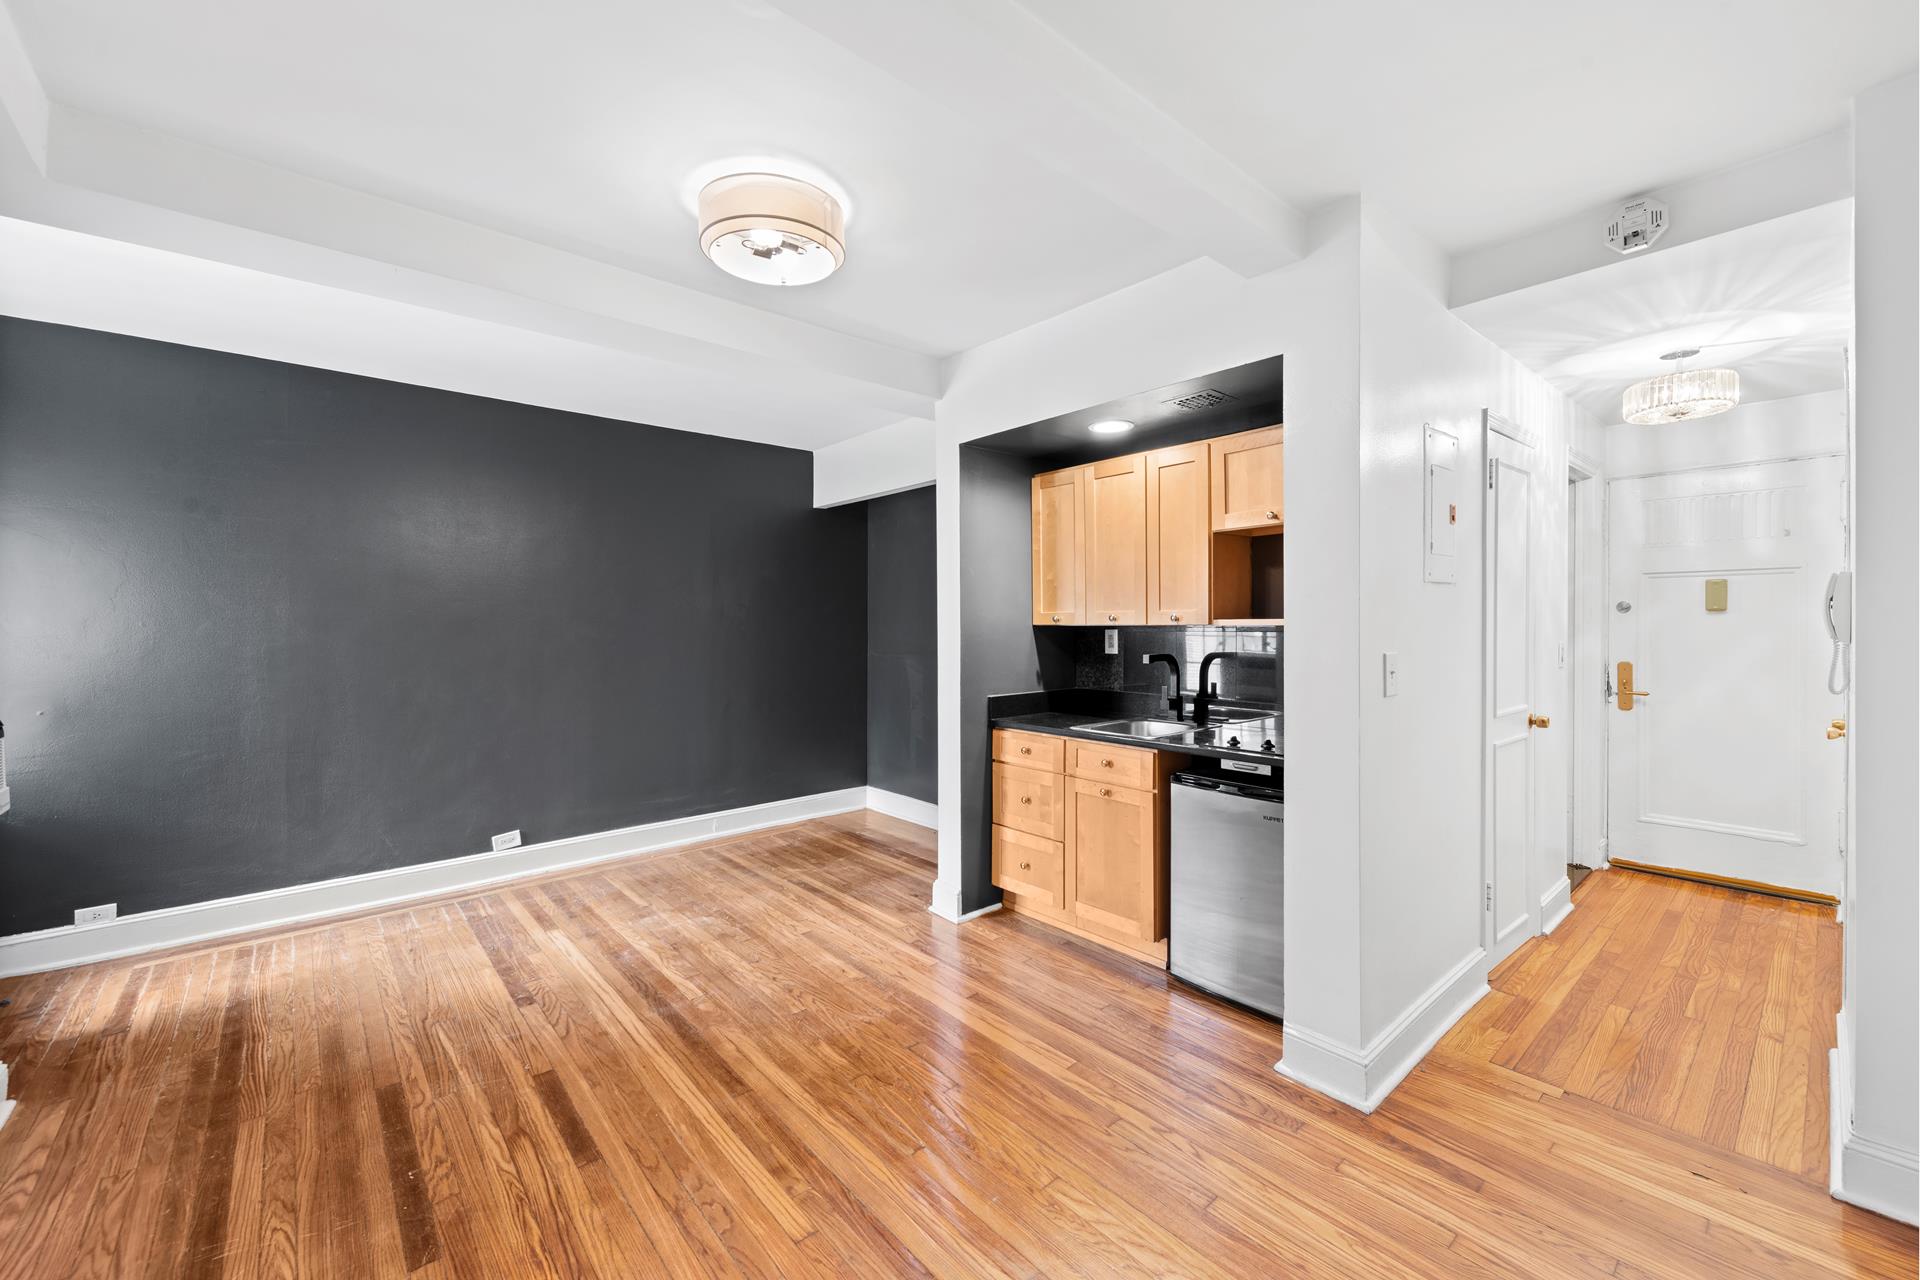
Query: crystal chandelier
1681, 395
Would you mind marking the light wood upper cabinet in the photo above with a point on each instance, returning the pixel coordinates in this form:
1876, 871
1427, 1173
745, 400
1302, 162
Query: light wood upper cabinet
1179, 539
1116, 565
1115, 846
1248, 474
1059, 546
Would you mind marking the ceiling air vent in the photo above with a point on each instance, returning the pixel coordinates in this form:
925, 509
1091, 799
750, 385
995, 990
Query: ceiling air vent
1205, 398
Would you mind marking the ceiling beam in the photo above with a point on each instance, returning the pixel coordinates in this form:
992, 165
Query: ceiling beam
996, 66
1814, 173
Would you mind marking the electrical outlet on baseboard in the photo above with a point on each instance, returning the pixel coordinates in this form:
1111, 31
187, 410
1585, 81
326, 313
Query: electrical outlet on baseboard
507, 840
96, 915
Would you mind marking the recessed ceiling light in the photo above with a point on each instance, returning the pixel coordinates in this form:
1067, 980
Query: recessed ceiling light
1110, 427
771, 229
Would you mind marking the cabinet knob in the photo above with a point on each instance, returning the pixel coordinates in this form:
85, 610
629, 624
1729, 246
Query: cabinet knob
1026, 866
1106, 791
1173, 617
1273, 515
1106, 764
1113, 617
1026, 799
1056, 617
1026, 751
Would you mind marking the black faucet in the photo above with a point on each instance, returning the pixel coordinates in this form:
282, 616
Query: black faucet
1173, 665
1205, 692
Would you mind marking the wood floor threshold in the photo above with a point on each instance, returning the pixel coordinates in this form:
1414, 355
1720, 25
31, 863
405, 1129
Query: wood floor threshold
1729, 882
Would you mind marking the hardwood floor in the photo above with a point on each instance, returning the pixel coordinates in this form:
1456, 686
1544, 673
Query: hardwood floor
764, 1056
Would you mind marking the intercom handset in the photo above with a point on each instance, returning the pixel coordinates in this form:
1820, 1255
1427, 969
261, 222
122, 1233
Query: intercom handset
1839, 620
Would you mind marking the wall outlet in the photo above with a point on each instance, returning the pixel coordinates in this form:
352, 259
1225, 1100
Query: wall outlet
1389, 674
96, 915
507, 840
1113, 640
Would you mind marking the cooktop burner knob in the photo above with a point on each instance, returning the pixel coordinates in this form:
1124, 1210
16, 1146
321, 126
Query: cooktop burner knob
1233, 742
1267, 745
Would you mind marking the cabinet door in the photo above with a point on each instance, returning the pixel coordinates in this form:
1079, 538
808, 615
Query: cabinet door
1113, 842
1059, 544
1248, 471
1117, 541
1179, 540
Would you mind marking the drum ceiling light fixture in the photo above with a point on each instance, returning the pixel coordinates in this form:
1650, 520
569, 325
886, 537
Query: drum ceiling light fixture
771, 229
1682, 395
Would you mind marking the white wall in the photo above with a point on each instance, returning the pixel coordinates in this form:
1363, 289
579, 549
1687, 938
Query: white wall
1797, 427
890, 459
1193, 320
1420, 763
1876, 1118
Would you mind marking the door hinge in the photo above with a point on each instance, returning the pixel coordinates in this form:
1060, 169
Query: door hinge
1489, 896
1491, 464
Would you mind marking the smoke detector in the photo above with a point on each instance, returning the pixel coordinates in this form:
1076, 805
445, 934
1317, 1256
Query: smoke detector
1636, 225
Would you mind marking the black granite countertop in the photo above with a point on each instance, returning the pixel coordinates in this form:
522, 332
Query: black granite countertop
1071, 724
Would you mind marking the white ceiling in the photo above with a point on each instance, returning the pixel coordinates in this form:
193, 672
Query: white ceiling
530, 167
1772, 301
1479, 119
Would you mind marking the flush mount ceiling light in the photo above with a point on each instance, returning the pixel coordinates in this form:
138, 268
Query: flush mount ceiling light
1110, 427
771, 229
1682, 395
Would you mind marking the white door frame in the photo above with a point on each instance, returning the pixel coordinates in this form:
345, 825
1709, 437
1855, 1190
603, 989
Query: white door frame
1586, 665
1494, 425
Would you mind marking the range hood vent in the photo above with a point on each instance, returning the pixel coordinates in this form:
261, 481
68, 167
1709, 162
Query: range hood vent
1205, 398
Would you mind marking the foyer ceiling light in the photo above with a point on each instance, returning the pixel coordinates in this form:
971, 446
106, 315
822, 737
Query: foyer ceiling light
1680, 396
771, 229
1110, 427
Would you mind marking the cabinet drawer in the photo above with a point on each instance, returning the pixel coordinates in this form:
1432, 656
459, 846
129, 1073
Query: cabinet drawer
1029, 750
1028, 800
1031, 866
1121, 766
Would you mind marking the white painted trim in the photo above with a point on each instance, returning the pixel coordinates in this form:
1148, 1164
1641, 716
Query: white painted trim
199, 921
905, 808
6, 1103
1362, 1078
965, 916
1862, 1171
1556, 904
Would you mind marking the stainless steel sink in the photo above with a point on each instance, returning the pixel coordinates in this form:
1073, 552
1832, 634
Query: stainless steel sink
1141, 728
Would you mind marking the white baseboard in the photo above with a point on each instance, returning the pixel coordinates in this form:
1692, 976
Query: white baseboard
1556, 904
1862, 1171
1362, 1078
6, 1103
906, 808
71, 945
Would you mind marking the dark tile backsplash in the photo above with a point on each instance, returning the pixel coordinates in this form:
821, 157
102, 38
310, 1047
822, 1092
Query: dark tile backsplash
1252, 674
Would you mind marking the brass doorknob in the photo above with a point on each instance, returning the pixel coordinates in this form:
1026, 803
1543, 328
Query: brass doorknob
1838, 729
1538, 722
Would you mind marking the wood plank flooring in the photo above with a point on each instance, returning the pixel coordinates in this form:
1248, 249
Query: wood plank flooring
764, 1057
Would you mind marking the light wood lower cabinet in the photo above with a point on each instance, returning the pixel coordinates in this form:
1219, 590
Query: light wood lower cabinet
1104, 877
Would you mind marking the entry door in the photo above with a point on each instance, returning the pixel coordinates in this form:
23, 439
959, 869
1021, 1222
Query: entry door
1719, 755
1511, 905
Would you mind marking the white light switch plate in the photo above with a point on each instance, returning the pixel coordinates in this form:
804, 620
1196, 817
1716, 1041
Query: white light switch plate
1389, 674
1113, 640
507, 840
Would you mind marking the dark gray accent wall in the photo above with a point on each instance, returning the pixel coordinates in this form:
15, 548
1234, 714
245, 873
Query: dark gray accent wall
1001, 651
902, 749
263, 624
